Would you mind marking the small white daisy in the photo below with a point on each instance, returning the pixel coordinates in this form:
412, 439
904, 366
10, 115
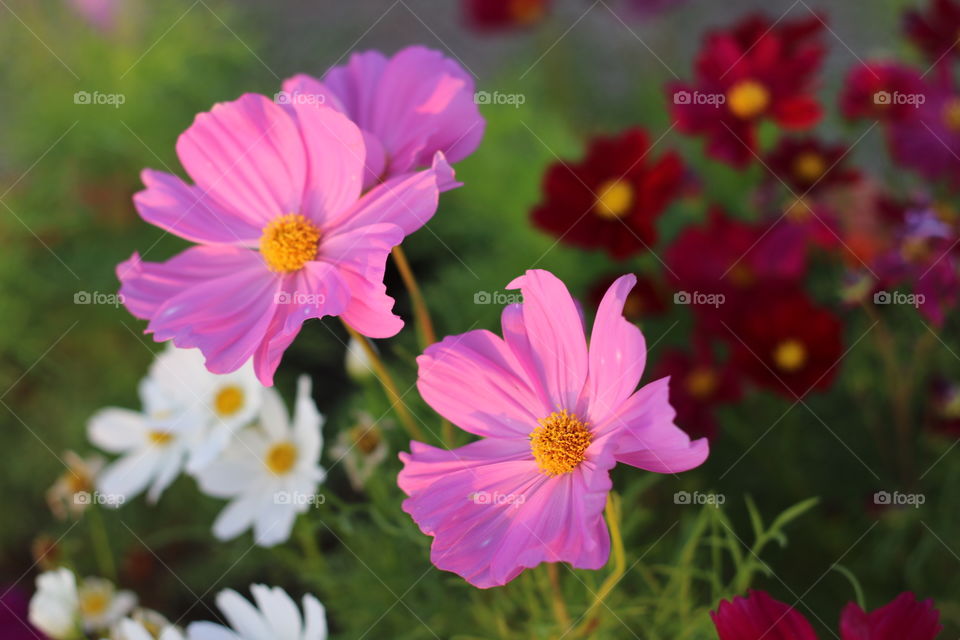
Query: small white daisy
129, 629
271, 471
275, 616
60, 608
220, 405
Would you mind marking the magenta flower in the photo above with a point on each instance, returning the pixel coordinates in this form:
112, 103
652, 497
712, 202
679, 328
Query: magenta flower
554, 416
283, 233
760, 617
409, 107
100, 14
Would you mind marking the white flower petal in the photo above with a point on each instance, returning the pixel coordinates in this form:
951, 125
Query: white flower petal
243, 616
117, 430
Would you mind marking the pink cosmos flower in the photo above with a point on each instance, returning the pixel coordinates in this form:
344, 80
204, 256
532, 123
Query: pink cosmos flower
409, 107
759, 616
283, 233
101, 14
554, 415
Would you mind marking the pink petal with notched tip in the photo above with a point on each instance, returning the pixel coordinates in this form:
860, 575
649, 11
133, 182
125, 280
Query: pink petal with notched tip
186, 211
558, 347
646, 436
249, 156
618, 353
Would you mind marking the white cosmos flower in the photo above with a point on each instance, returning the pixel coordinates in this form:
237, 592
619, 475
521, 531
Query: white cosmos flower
128, 629
270, 471
61, 609
275, 617
188, 417
219, 405
55, 607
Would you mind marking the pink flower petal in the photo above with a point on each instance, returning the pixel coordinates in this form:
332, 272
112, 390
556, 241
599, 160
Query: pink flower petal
408, 201
186, 211
474, 381
554, 329
904, 618
492, 519
646, 436
145, 286
760, 617
335, 154
618, 353
249, 155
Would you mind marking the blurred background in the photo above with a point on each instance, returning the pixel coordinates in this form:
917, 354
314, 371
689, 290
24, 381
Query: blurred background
90, 94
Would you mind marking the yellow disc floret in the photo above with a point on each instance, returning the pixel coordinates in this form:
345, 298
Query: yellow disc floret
289, 242
228, 400
748, 99
790, 355
560, 443
614, 199
809, 166
281, 457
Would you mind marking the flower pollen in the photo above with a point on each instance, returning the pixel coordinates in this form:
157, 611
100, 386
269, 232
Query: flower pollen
790, 355
228, 400
289, 242
560, 443
614, 200
747, 99
281, 457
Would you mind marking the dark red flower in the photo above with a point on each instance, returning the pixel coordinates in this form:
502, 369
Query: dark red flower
612, 198
646, 299
757, 70
716, 267
886, 91
904, 618
760, 617
497, 15
807, 164
784, 342
698, 385
936, 32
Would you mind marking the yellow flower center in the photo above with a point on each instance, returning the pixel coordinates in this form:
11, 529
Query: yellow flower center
77, 481
799, 210
702, 382
228, 401
289, 242
614, 199
160, 438
94, 602
748, 99
560, 443
809, 166
951, 114
527, 11
790, 355
281, 457
365, 438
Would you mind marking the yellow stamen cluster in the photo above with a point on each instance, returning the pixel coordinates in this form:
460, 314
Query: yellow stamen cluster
951, 115
702, 382
289, 242
560, 443
281, 458
527, 11
747, 99
228, 401
790, 355
614, 199
160, 438
809, 166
